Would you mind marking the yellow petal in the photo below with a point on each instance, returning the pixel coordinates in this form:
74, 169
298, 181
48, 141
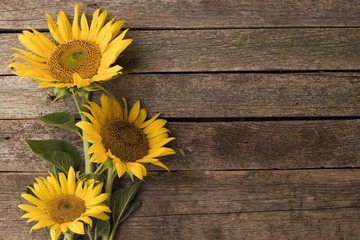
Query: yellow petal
93, 138
96, 200
94, 23
160, 164
141, 117
42, 196
75, 26
96, 147
115, 28
118, 114
159, 152
81, 82
87, 127
125, 109
154, 126
158, 133
64, 27
93, 120
86, 219
45, 41
145, 124
96, 111
102, 216
54, 30
63, 183
93, 192
134, 113
117, 40
32, 56
105, 105
95, 210
147, 160
158, 138
104, 36
31, 209
111, 53
40, 225
54, 184
71, 181
63, 227
33, 46
55, 232
137, 169
76, 227
84, 35
120, 168
97, 24
34, 200
161, 143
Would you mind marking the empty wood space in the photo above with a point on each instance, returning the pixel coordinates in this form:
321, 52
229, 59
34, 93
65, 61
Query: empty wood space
263, 98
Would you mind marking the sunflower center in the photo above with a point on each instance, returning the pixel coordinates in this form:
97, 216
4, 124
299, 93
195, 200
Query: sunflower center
124, 140
78, 56
66, 208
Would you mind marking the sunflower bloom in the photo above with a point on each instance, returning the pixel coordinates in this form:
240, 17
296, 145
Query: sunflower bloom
65, 204
82, 56
125, 138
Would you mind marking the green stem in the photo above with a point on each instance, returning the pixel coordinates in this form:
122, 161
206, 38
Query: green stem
68, 236
99, 168
85, 98
112, 234
109, 184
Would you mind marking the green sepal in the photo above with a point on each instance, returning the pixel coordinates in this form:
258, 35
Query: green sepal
106, 165
130, 174
123, 203
62, 120
60, 154
93, 87
60, 92
97, 177
99, 229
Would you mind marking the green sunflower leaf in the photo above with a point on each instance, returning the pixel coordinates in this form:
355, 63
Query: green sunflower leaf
60, 154
123, 203
99, 229
135, 204
62, 120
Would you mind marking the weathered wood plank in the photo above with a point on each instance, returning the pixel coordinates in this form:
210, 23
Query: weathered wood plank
232, 50
205, 95
302, 204
215, 145
22, 14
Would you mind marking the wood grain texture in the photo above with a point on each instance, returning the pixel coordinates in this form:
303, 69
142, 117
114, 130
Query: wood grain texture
231, 50
215, 145
205, 95
190, 14
303, 204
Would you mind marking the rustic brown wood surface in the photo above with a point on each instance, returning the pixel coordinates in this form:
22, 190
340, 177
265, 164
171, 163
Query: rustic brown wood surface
189, 14
262, 96
206, 95
205, 145
309, 204
232, 50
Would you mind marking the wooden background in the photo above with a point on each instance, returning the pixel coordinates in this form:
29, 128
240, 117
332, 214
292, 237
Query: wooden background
262, 96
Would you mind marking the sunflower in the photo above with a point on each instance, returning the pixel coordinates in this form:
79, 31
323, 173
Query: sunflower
83, 55
65, 204
125, 138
